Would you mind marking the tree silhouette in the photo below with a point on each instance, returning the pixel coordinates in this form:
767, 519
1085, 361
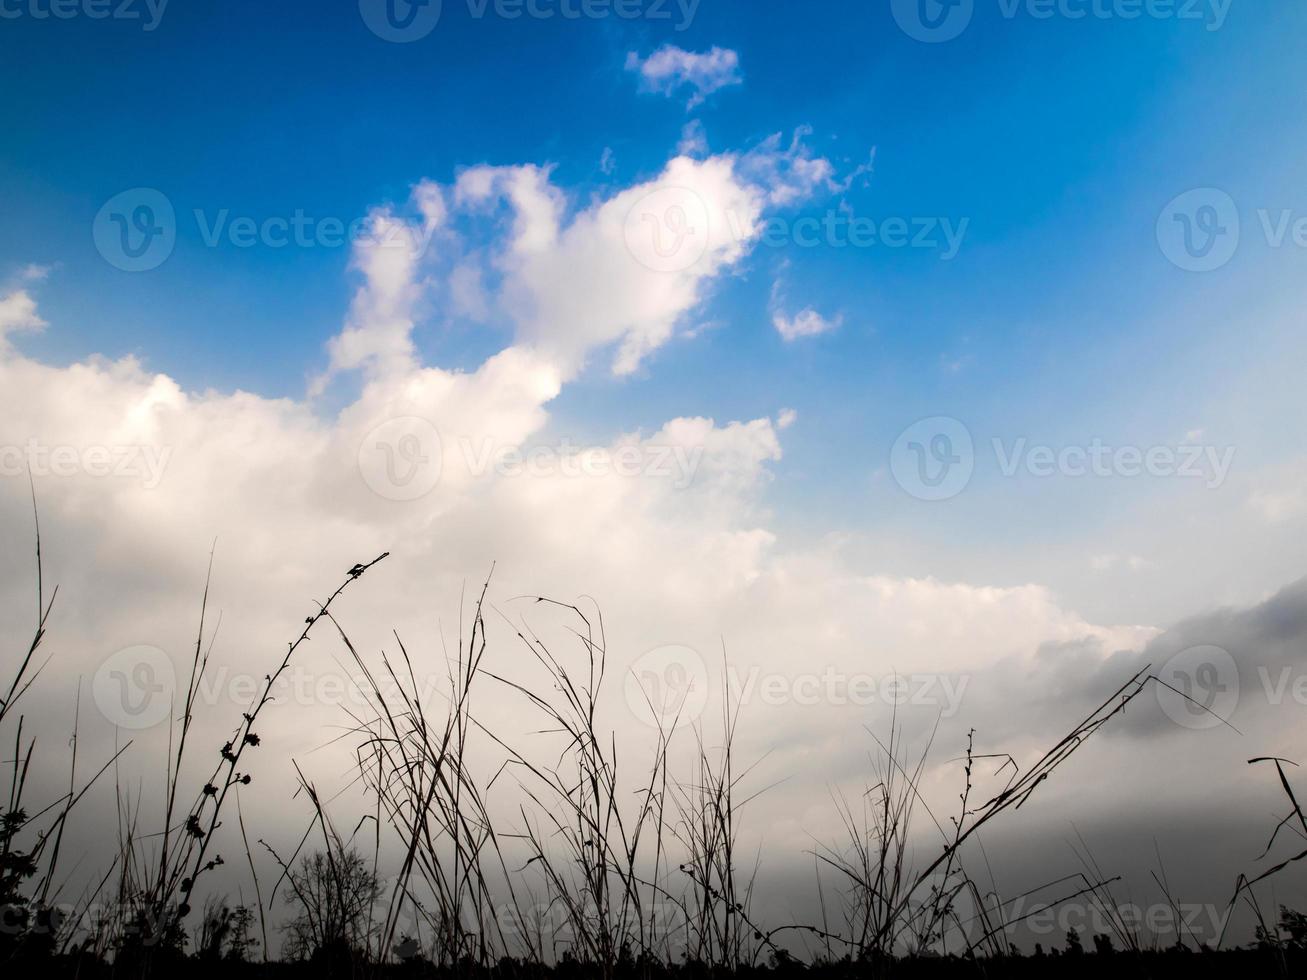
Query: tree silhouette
335, 893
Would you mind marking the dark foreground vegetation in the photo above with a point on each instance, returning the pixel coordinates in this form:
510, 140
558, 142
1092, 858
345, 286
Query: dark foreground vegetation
1144, 965
606, 869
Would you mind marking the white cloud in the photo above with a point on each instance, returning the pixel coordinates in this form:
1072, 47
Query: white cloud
687, 555
378, 333
623, 272
790, 173
694, 139
18, 313
806, 323
620, 272
671, 69
860, 174
604, 281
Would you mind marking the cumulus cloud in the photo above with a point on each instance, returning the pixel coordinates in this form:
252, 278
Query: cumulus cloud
675, 547
378, 334
18, 313
624, 272
670, 70
667, 529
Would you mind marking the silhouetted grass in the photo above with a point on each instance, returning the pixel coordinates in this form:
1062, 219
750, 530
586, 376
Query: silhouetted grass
607, 868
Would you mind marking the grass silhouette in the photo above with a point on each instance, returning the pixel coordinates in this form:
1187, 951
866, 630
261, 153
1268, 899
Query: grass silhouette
609, 868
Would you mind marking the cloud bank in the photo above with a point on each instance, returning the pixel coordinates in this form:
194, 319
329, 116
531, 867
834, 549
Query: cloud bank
449, 470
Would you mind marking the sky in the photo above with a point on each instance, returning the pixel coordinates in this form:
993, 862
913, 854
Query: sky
964, 341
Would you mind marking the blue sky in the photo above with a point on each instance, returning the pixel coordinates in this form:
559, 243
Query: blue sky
1057, 140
